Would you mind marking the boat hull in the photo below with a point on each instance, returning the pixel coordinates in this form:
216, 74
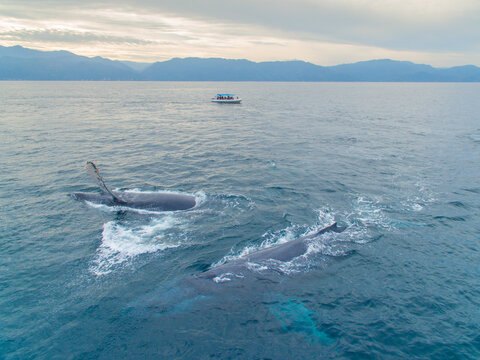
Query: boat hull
233, 101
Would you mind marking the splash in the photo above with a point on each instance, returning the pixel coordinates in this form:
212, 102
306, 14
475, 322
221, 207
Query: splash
122, 243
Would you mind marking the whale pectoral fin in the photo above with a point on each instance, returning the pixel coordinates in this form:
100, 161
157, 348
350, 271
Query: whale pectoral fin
93, 171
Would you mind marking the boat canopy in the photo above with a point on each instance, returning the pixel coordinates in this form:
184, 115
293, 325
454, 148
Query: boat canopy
225, 95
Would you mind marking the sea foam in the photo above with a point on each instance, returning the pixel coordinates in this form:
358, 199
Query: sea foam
121, 243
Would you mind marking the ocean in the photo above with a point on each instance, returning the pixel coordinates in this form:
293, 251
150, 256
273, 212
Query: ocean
397, 163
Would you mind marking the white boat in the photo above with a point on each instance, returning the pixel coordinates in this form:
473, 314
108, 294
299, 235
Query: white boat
227, 99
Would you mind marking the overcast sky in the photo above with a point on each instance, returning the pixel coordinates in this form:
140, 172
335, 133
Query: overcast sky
326, 32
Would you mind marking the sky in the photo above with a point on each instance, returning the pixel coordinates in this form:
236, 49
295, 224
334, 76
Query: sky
441, 33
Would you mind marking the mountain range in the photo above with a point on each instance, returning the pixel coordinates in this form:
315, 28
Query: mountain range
19, 63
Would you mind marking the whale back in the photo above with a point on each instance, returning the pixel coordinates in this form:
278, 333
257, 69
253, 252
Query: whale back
163, 201
282, 252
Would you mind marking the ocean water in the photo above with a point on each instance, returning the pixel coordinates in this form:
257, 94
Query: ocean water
398, 164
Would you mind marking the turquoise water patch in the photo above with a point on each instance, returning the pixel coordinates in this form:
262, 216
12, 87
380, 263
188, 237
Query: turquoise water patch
295, 317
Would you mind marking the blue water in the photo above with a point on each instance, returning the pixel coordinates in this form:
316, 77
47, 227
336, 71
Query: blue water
399, 164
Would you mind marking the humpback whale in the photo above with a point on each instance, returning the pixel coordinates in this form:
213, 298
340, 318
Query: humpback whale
154, 201
237, 275
282, 252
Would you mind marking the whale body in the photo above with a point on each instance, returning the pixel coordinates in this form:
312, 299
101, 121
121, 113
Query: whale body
154, 201
223, 280
282, 253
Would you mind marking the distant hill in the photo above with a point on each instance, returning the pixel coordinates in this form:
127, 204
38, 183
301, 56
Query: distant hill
18, 63
213, 69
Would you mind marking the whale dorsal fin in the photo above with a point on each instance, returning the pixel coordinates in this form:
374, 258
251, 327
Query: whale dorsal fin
93, 171
334, 227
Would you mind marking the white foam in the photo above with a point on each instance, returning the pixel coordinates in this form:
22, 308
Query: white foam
370, 213
324, 216
225, 277
236, 201
200, 198
122, 243
417, 207
256, 267
422, 199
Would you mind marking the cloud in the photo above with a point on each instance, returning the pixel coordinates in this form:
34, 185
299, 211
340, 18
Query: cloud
433, 30
399, 24
66, 36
